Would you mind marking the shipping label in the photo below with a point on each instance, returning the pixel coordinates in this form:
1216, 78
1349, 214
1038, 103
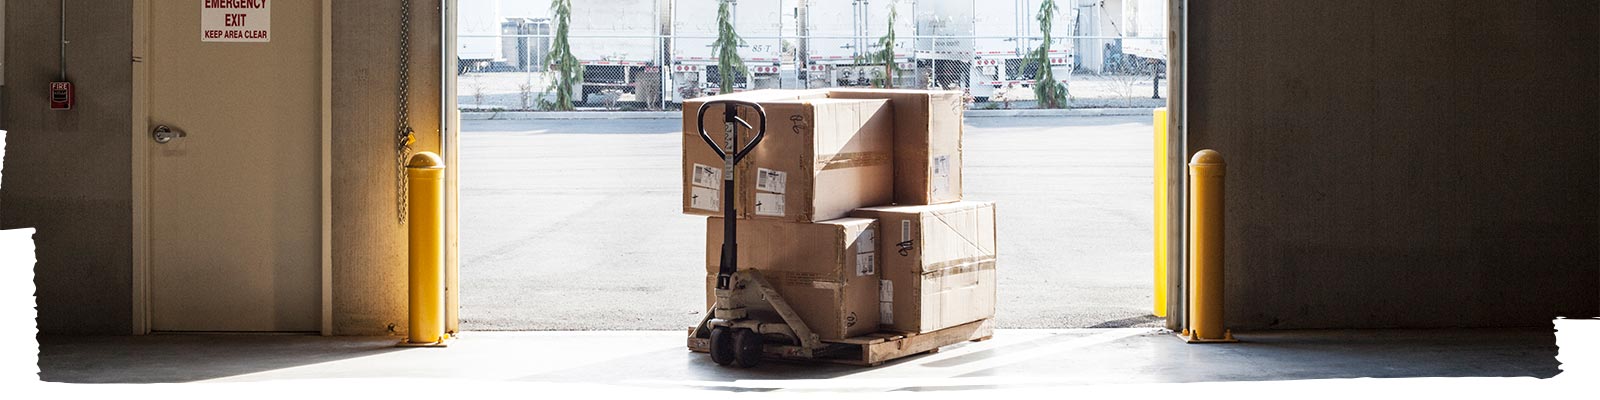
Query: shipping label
770, 205
866, 264
704, 199
886, 302
771, 181
941, 175
867, 242
707, 176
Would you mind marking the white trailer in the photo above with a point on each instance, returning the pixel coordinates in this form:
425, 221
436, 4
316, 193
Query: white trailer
842, 32
1122, 36
985, 44
1145, 29
946, 46
1003, 63
618, 44
694, 29
478, 24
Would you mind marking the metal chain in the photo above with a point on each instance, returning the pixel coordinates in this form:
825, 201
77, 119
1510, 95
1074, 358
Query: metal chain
403, 134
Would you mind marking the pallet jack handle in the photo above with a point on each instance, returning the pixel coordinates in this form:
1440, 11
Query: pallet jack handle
731, 156
730, 117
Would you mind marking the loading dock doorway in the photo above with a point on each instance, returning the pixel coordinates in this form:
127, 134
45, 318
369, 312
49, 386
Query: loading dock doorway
232, 193
523, 232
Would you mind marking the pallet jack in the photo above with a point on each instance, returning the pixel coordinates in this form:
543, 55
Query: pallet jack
751, 320
748, 313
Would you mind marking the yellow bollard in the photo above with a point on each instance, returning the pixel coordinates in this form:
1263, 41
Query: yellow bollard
425, 216
1160, 123
1205, 249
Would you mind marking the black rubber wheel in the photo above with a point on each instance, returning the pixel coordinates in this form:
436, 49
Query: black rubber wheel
722, 342
748, 343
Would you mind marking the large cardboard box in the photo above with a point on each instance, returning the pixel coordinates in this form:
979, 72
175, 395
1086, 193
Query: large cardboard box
820, 159
702, 169
927, 142
827, 271
938, 264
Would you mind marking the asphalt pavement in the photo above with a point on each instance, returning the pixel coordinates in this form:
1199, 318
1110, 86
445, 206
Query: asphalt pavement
576, 225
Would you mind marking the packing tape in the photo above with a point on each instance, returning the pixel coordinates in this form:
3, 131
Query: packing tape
955, 278
964, 264
851, 160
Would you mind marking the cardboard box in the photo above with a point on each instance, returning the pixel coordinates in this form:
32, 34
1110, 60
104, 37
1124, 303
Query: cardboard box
938, 264
821, 158
927, 142
702, 169
827, 271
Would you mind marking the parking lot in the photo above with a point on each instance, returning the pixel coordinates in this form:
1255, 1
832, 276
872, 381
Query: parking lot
576, 224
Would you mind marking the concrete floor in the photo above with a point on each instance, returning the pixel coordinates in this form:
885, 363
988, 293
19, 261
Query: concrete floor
587, 214
657, 359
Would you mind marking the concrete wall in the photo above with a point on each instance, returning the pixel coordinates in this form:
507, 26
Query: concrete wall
369, 257
1402, 164
69, 175
67, 172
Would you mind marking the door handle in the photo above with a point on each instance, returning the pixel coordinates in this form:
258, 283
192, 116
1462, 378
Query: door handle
163, 134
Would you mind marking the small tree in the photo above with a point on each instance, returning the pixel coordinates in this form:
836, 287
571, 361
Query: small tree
1122, 79
524, 94
477, 90
726, 47
1049, 92
883, 52
562, 62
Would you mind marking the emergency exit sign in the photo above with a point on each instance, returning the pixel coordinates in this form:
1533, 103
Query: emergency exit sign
235, 20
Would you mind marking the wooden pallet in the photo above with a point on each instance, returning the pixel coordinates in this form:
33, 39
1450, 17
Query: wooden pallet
875, 348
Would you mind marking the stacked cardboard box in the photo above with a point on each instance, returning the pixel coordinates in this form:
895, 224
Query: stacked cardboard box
841, 146
852, 207
827, 271
927, 142
937, 264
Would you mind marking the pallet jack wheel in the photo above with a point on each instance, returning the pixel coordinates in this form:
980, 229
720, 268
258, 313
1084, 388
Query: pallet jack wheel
749, 345
722, 346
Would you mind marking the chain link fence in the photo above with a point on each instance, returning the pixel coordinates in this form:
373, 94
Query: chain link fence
659, 72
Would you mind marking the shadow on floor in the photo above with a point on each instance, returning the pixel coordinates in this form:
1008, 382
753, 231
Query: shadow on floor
188, 358
1145, 321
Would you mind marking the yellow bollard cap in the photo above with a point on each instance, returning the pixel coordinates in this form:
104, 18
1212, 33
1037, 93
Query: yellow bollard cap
1207, 162
1207, 157
425, 159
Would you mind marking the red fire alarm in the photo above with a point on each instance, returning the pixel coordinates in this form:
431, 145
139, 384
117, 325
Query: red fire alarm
61, 95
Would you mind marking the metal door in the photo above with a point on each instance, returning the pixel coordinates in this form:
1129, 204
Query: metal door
234, 186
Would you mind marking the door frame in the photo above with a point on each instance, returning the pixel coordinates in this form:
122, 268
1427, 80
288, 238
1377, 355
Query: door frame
139, 138
1177, 164
449, 128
